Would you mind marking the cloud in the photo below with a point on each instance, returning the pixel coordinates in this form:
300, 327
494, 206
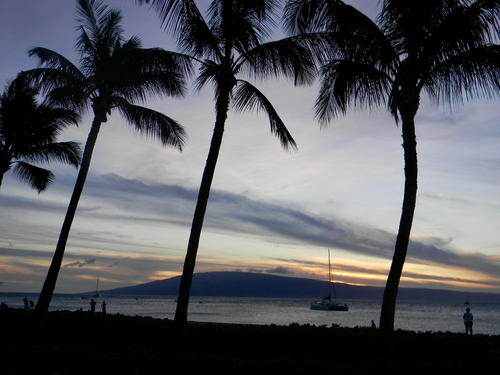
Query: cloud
281, 270
79, 264
24, 253
252, 270
238, 214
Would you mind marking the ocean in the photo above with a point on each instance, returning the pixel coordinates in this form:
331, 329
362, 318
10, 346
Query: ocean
413, 316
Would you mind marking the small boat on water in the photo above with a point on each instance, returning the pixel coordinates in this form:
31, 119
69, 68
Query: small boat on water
467, 302
326, 303
97, 295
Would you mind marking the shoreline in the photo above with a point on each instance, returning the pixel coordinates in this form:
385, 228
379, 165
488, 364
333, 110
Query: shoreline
427, 317
116, 343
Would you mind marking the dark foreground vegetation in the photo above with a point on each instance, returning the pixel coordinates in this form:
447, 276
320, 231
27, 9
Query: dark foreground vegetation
85, 343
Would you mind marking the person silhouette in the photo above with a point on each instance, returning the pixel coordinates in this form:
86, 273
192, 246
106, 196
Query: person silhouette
103, 307
92, 305
468, 318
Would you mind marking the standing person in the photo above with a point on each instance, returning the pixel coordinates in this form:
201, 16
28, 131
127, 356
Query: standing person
468, 321
103, 307
92, 305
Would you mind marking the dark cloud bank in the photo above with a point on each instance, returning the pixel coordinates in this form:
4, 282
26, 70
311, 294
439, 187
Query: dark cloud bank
134, 200
239, 213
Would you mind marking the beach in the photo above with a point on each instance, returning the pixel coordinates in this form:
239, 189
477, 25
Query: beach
81, 342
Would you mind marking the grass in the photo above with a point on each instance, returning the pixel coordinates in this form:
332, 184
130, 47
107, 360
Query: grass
85, 343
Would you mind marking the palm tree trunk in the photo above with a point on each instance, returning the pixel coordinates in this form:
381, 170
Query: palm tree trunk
181, 312
410, 196
49, 285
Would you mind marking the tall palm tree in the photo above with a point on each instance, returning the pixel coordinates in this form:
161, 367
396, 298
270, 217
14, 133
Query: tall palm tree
445, 48
229, 44
114, 74
28, 133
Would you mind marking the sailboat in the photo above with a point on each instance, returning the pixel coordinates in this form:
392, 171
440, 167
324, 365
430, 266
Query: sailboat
97, 295
326, 303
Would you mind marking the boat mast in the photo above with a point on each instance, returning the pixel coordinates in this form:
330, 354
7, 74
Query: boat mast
332, 287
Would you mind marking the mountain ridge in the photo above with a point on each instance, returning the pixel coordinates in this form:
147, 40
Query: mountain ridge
247, 284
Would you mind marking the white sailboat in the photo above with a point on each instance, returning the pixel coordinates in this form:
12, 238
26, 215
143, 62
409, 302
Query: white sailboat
97, 295
326, 303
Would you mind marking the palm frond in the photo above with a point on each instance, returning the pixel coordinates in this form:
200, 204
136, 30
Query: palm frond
319, 45
26, 126
183, 19
153, 124
47, 79
337, 31
70, 96
142, 73
37, 178
111, 30
56, 72
91, 13
242, 24
87, 51
247, 97
100, 34
65, 152
51, 59
57, 118
284, 57
347, 83
208, 72
469, 75
306, 16
97, 21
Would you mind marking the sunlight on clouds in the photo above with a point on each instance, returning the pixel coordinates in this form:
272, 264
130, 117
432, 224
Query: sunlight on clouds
101, 280
160, 275
9, 269
84, 277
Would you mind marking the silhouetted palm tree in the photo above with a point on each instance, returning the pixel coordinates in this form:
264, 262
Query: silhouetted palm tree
114, 74
231, 43
28, 132
443, 47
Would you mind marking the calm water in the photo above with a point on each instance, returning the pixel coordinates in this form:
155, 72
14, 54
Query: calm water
416, 316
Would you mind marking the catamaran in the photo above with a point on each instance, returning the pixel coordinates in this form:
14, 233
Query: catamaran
97, 295
326, 303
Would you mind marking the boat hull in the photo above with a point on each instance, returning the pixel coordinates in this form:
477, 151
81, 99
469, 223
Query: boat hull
329, 306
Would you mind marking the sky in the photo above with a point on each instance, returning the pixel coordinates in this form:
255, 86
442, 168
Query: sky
270, 210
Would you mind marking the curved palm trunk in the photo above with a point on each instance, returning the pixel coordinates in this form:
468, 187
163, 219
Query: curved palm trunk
43, 303
199, 215
410, 196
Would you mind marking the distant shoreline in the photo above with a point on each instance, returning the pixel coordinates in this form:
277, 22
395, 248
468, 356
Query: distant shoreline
246, 284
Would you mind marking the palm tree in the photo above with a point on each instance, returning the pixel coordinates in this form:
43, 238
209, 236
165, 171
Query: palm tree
443, 47
230, 43
28, 132
114, 74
